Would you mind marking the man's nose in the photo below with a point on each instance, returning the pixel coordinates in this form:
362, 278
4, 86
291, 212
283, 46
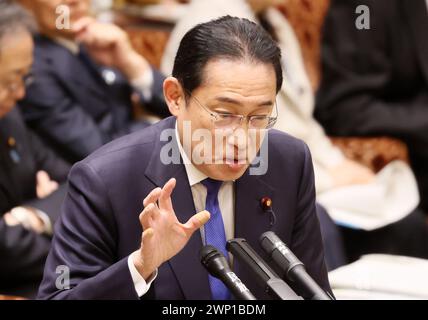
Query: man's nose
238, 138
19, 93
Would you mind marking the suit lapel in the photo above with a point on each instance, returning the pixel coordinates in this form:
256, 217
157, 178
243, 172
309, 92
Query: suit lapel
250, 219
9, 127
76, 74
194, 279
417, 17
190, 274
6, 183
250, 222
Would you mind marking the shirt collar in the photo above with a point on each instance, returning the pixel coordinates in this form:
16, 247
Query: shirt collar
193, 174
70, 45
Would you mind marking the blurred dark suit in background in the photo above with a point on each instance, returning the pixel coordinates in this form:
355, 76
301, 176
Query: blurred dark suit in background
23, 252
77, 106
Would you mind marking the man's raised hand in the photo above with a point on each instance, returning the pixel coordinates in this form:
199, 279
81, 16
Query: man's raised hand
163, 235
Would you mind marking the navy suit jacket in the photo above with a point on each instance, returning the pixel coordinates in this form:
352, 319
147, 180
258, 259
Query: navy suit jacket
72, 107
99, 225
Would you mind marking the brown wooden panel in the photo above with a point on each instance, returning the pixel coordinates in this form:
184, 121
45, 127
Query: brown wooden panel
3, 297
149, 42
375, 152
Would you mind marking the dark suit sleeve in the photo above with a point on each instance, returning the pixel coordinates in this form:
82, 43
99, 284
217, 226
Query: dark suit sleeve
57, 169
48, 160
306, 240
156, 104
23, 253
85, 242
60, 120
356, 95
51, 205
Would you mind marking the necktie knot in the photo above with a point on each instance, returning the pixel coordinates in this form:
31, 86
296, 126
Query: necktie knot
213, 186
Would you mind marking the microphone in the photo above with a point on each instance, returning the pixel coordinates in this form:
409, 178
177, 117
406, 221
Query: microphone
292, 267
216, 264
273, 285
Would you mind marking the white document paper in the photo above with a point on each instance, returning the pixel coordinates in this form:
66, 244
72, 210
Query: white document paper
391, 197
378, 276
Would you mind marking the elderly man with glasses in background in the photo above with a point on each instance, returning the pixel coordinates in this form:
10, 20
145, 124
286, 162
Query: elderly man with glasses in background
30, 193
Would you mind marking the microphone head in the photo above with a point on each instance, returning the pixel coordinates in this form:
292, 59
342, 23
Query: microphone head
207, 253
267, 241
213, 260
277, 249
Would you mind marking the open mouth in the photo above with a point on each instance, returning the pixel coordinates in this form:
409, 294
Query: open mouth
235, 160
235, 164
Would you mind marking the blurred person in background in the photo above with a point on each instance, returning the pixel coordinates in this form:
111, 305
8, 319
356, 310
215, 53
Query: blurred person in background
85, 77
375, 78
30, 174
405, 233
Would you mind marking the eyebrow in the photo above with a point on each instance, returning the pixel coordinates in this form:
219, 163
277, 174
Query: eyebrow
266, 103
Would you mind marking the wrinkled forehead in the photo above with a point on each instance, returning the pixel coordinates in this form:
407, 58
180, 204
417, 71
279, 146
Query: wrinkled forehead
16, 52
245, 80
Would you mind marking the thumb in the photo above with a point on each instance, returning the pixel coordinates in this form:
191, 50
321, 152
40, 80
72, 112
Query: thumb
147, 235
197, 221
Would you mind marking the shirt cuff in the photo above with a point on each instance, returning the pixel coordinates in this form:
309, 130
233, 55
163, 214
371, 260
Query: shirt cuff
144, 84
141, 285
46, 220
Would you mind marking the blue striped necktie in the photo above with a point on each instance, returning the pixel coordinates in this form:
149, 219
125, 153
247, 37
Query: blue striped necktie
215, 234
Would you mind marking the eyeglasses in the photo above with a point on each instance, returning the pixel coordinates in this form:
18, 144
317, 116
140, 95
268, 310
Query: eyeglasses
233, 121
20, 81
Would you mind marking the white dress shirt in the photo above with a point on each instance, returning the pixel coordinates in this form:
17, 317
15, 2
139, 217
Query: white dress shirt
226, 199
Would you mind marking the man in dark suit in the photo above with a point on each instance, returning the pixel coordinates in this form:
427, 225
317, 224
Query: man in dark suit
30, 201
212, 94
375, 80
30, 196
85, 76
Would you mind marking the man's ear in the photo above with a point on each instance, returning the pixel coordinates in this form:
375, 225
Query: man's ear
174, 95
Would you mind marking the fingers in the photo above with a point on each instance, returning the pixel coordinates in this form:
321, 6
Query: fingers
82, 24
147, 235
42, 177
45, 186
165, 202
197, 221
145, 238
148, 266
54, 185
83, 30
97, 35
152, 197
10, 220
163, 195
150, 213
